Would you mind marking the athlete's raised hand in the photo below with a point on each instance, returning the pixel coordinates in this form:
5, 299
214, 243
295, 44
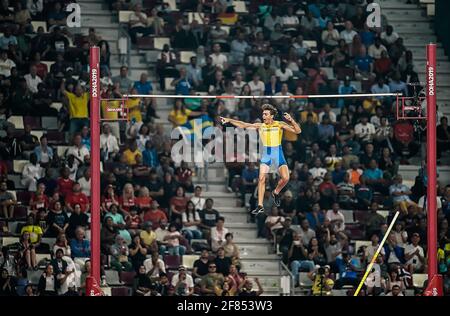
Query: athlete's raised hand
224, 120
287, 117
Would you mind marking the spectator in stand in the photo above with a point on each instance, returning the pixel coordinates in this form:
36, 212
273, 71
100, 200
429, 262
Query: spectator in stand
44, 153
364, 130
120, 252
138, 23
218, 234
201, 266
57, 220
47, 282
389, 37
415, 255
183, 282
154, 266
330, 37
77, 197
298, 258
80, 247
210, 280
400, 195
376, 49
39, 199
148, 238
191, 221
348, 34
336, 218
124, 83
77, 103
7, 201
257, 87
31, 173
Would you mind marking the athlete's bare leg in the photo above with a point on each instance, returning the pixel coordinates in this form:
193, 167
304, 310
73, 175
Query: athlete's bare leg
284, 179
263, 171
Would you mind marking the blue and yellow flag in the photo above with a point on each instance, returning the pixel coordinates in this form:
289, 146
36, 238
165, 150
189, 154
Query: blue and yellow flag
194, 129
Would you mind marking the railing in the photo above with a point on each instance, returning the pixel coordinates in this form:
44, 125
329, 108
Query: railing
284, 269
123, 33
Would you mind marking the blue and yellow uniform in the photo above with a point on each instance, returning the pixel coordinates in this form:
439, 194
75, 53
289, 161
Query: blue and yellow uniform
271, 136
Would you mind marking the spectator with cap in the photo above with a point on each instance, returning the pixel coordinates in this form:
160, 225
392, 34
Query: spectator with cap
183, 282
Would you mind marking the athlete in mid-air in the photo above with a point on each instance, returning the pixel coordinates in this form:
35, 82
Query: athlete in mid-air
271, 134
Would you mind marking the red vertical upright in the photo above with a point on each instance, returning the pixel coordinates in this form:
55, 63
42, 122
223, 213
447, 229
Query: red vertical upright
434, 281
95, 161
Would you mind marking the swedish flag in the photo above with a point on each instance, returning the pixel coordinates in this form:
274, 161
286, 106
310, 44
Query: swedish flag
194, 129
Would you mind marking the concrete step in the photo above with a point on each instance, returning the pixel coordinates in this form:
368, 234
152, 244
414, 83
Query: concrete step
417, 51
243, 232
222, 201
260, 265
418, 38
442, 80
415, 29
215, 187
87, 6
404, 14
443, 66
107, 33
234, 217
243, 225
134, 72
214, 194
409, 173
267, 282
253, 250
242, 241
231, 209
393, 4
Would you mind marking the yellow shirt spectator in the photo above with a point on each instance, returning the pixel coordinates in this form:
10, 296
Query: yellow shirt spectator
35, 232
78, 106
304, 117
130, 156
179, 118
134, 109
148, 238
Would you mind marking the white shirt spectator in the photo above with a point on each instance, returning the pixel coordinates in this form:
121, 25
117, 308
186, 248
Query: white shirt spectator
332, 216
284, 76
35, 6
85, 186
365, 132
390, 39
218, 238
5, 67
30, 174
330, 114
318, 173
277, 220
199, 202
108, 143
330, 38
306, 236
219, 60
237, 87
422, 202
290, 20
32, 83
370, 251
409, 249
375, 52
186, 219
160, 266
79, 153
134, 18
348, 36
257, 88
189, 281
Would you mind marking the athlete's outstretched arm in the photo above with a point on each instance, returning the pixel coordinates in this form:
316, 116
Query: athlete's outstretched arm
292, 126
240, 124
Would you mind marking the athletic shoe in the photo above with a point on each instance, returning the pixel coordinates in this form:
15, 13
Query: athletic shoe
259, 209
276, 198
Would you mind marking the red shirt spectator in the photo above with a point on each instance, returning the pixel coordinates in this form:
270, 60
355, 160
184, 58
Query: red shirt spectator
154, 214
143, 202
65, 184
183, 173
77, 197
127, 200
39, 199
109, 198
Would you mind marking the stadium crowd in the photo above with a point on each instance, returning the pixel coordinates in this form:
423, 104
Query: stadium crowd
344, 186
